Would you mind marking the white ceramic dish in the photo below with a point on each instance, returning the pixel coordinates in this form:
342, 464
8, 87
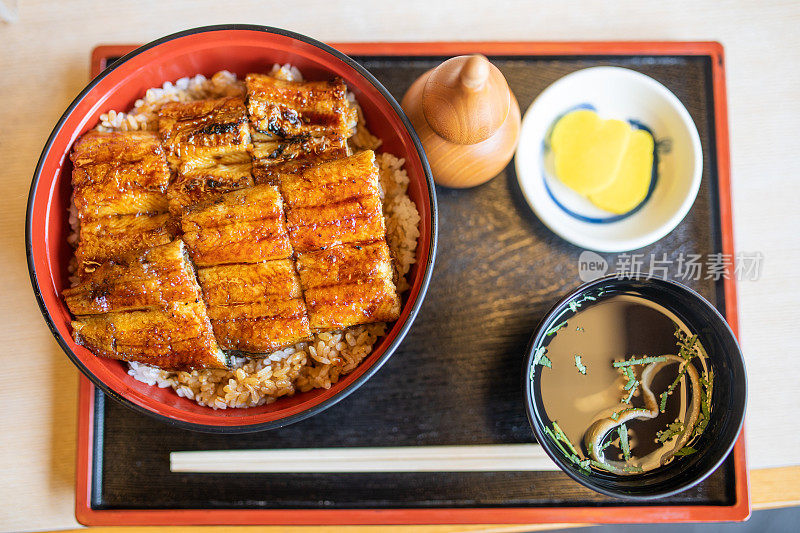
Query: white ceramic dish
626, 95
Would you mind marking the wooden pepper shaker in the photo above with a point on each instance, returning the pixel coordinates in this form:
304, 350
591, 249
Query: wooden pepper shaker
467, 119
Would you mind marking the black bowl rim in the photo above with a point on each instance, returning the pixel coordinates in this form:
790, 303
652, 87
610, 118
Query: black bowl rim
530, 404
243, 428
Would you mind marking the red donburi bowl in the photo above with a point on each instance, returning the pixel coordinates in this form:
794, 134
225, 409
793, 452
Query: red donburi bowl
239, 49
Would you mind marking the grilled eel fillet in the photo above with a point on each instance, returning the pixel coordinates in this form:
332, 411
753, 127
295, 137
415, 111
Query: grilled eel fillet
207, 142
273, 157
349, 284
119, 180
297, 124
177, 337
119, 173
255, 308
146, 308
206, 183
295, 108
335, 222
333, 203
244, 226
249, 282
150, 280
110, 238
204, 128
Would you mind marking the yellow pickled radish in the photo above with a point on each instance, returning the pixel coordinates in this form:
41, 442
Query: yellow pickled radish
606, 161
633, 178
588, 150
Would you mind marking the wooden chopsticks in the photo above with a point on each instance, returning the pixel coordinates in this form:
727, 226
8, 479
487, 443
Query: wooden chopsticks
480, 458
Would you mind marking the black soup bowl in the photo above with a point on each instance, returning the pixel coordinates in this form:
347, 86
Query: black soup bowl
728, 396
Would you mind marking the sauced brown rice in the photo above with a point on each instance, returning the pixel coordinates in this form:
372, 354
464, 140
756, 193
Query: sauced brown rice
318, 363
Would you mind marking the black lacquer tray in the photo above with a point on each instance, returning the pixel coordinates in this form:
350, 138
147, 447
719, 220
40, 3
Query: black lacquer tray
455, 380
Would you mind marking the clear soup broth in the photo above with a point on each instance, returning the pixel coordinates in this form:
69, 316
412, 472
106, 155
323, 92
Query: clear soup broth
625, 384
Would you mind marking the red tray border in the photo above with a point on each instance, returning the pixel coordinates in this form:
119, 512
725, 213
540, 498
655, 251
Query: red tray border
739, 511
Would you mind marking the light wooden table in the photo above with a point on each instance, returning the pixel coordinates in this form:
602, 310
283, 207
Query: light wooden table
44, 64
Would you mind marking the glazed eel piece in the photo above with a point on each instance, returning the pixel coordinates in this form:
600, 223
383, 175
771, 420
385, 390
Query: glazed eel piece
335, 221
119, 180
297, 124
147, 308
240, 244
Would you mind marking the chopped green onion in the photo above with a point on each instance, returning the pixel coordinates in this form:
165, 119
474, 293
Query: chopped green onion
629, 373
602, 466
553, 437
539, 358
701, 425
707, 381
640, 361
574, 305
606, 445
672, 431
563, 436
580, 366
663, 405
630, 394
538, 354
704, 405
687, 344
558, 436
622, 429
708, 390
686, 450
554, 329
632, 381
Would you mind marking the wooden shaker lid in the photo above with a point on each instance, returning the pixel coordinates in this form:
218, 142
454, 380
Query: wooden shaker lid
466, 99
